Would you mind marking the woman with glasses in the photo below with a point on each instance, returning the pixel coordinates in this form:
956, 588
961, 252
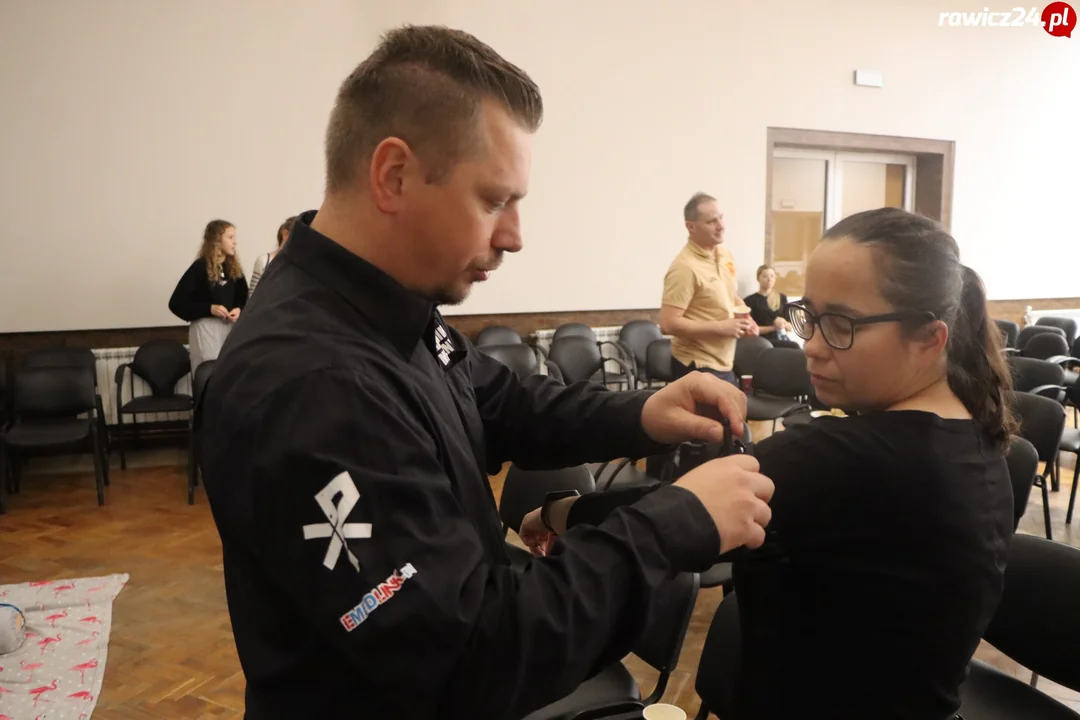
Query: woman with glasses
884, 558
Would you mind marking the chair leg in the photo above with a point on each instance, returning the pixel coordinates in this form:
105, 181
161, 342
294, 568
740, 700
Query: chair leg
192, 465
120, 440
1046, 506
1072, 493
1055, 477
99, 477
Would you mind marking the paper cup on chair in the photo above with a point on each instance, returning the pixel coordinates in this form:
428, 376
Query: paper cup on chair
660, 711
12, 628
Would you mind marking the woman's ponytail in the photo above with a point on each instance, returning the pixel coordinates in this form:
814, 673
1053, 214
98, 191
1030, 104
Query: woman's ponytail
978, 373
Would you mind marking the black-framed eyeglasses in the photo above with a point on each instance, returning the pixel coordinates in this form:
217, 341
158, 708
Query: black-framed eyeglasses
837, 329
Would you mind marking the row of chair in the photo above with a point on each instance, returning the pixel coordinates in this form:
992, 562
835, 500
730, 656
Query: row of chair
56, 402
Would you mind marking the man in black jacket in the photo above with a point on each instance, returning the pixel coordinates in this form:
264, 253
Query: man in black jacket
347, 431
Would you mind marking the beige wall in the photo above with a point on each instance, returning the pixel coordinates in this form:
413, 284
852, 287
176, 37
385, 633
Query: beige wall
129, 123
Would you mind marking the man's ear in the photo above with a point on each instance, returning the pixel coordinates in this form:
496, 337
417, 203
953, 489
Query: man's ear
386, 173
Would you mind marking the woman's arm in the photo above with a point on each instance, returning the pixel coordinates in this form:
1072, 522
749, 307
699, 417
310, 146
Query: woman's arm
190, 300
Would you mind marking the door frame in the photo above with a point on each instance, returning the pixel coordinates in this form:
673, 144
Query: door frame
932, 181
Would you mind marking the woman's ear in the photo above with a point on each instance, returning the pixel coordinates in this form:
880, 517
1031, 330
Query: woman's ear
934, 337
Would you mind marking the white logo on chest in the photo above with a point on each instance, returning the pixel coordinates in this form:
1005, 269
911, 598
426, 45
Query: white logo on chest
444, 345
337, 529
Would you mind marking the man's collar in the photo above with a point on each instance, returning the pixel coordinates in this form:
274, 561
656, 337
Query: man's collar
400, 314
700, 251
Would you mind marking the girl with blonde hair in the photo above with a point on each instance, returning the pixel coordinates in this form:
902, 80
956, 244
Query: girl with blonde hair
211, 293
767, 309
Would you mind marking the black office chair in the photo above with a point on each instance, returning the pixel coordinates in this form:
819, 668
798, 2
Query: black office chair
80, 358
524, 491
635, 338
1045, 346
625, 375
614, 690
1032, 331
748, 351
1042, 421
578, 359
781, 385
498, 335
1037, 626
718, 667
1010, 331
519, 357
47, 405
162, 364
658, 362
1023, 460
198, 388
1039, 377
574, 329
1067, 325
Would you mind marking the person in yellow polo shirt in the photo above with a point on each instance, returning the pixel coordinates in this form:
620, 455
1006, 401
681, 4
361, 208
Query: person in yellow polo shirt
701, 295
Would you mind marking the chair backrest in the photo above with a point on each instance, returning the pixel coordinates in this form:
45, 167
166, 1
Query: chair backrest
662, 639
202, 376
1042, 421
524, 490
1045, 345
658, 361
1033, 330
636, 336
498, 335
574, 330
1023, 460
578, 357
1010, 331
162, 364
1036, 623
1068, 325
62, 357
518, 357
1030, 373
747, 352
42, 393
782, 372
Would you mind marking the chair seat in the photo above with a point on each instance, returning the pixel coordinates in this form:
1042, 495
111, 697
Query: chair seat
1070, 440
153, 404
989, 694
765, 407
614, 684
45, 433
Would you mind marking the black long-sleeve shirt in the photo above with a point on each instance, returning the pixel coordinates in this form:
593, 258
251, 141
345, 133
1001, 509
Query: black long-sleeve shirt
883, 567
346, 436
195, 293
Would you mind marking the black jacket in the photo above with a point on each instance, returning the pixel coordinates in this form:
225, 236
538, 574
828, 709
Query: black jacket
194, 293
346, 436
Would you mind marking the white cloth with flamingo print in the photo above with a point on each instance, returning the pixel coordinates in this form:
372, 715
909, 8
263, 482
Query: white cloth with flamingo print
57, 673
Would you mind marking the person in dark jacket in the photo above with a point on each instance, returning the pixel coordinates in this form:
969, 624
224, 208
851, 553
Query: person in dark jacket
211, 293
347, 432
767, 309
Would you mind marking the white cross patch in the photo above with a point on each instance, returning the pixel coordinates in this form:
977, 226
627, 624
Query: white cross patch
337, 529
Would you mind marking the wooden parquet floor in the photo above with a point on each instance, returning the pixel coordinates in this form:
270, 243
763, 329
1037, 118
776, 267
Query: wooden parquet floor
171, 653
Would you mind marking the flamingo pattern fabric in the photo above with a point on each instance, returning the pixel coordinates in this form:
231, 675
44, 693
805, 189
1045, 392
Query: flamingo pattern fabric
57, 673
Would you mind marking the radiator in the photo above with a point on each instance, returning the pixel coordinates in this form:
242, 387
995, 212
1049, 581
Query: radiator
108, 359
1032, 316
608, 333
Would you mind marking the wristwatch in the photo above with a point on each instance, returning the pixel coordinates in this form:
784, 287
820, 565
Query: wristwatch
550, 498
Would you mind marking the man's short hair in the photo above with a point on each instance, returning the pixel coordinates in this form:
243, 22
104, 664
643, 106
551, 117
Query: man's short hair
424, 85
690, 212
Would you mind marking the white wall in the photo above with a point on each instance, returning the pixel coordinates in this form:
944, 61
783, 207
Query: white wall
128, 124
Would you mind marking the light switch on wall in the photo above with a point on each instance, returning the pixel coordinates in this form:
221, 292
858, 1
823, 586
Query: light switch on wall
869, 78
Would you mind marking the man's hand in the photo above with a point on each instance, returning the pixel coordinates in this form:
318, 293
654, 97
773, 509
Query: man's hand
690, 409
736, 327
736, 496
